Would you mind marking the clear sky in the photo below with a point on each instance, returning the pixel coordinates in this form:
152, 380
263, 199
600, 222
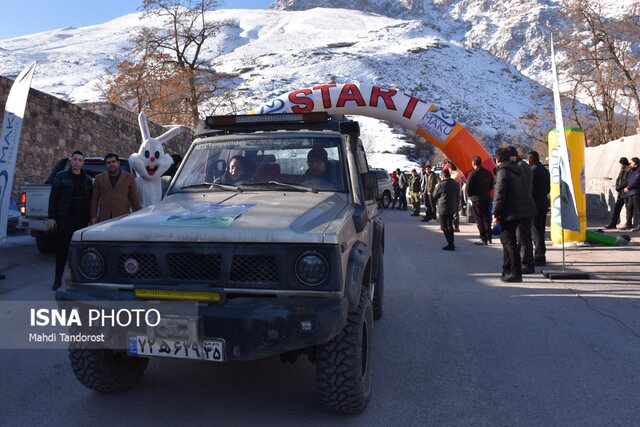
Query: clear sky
21, 17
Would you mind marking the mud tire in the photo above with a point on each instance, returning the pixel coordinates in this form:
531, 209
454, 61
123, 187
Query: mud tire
106, 371
343, 365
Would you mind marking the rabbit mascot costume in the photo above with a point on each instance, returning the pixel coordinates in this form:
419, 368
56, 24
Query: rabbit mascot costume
150, 162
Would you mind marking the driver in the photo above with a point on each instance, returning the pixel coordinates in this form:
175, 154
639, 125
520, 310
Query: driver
236, 173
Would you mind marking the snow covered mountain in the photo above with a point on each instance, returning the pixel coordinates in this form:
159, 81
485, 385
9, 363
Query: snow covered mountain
514, 30
517, 31
429, 48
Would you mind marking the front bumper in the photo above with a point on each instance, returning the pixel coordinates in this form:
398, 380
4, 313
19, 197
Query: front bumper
252, 327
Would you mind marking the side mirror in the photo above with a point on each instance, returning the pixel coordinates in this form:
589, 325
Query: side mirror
369, 183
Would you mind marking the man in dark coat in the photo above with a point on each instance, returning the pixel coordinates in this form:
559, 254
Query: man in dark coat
478, 189
621, 200
632, 190
428, 185
540, 193
447, 197
523, 232
69, 208
512, 203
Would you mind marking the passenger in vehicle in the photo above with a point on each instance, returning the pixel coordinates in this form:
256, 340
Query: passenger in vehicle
236, 173
318, 168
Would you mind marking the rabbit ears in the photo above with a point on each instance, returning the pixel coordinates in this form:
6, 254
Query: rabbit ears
146, 135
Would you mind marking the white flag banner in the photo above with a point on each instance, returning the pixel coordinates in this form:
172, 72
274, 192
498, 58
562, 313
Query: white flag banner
10, 139
566, 200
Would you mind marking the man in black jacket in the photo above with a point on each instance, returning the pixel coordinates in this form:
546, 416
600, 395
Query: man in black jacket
540, 193
632, 191
447, 198
523, 232
427, 186
478, 188
69, 208
621, 200
512, 203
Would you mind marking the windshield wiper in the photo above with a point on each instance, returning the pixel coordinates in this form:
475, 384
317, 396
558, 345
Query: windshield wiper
212, 185
226, 187
201, 184
282, 184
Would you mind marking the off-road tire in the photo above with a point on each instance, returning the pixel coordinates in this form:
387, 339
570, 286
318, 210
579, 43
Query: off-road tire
386, 199
378, 292
343, 365
106, 371
46, 243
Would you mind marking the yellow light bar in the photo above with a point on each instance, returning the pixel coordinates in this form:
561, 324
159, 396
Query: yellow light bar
178, 295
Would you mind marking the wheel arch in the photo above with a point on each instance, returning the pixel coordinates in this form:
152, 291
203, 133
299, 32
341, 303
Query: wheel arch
358, 272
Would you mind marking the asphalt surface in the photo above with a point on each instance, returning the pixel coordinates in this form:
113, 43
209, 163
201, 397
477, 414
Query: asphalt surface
455, 347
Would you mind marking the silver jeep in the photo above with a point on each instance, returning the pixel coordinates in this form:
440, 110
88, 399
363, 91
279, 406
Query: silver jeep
284, 257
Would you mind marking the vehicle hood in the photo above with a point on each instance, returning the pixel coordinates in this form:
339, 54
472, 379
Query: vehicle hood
250, 216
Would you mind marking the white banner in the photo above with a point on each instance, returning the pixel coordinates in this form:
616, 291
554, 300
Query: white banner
568, 211
10, 139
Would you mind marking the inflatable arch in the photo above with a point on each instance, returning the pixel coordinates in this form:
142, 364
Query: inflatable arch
428, 121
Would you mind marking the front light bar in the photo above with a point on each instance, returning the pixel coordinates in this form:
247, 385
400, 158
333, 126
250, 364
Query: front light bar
161, 294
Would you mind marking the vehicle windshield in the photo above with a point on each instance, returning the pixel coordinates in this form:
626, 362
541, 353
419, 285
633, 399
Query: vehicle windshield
286, 163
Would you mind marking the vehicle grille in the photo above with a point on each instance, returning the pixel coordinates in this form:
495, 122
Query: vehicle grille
254, 269
194, 266
243, 269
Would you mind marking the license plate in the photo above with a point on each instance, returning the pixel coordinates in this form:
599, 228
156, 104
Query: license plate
211, 350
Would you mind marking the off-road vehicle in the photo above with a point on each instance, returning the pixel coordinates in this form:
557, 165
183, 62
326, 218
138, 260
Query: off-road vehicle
281, 261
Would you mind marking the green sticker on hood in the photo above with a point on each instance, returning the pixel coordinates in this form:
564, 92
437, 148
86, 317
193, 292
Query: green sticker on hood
208, 215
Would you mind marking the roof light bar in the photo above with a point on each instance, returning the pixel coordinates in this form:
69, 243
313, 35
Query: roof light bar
213, 122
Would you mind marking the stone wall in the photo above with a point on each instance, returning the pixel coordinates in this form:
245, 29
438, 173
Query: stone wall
53, 128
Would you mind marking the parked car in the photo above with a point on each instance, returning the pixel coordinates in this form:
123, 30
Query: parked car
385, 187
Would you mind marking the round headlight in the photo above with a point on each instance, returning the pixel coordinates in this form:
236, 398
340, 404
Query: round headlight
312, 269
90, 264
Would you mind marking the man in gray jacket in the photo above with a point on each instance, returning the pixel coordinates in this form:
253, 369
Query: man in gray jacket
447, 198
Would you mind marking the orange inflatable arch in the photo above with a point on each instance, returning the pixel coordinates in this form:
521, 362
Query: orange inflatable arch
428, 121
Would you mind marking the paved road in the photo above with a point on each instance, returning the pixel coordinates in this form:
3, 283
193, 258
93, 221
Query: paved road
455, 347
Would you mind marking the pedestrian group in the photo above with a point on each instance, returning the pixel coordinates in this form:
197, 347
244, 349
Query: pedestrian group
628, 189
513, 199
75, 202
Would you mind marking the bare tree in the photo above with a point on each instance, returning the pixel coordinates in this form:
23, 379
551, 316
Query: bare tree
535, 130
173, 74
183, 37
600, 61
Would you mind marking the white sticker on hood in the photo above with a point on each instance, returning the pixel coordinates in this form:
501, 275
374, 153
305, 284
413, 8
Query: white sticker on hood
208, 215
